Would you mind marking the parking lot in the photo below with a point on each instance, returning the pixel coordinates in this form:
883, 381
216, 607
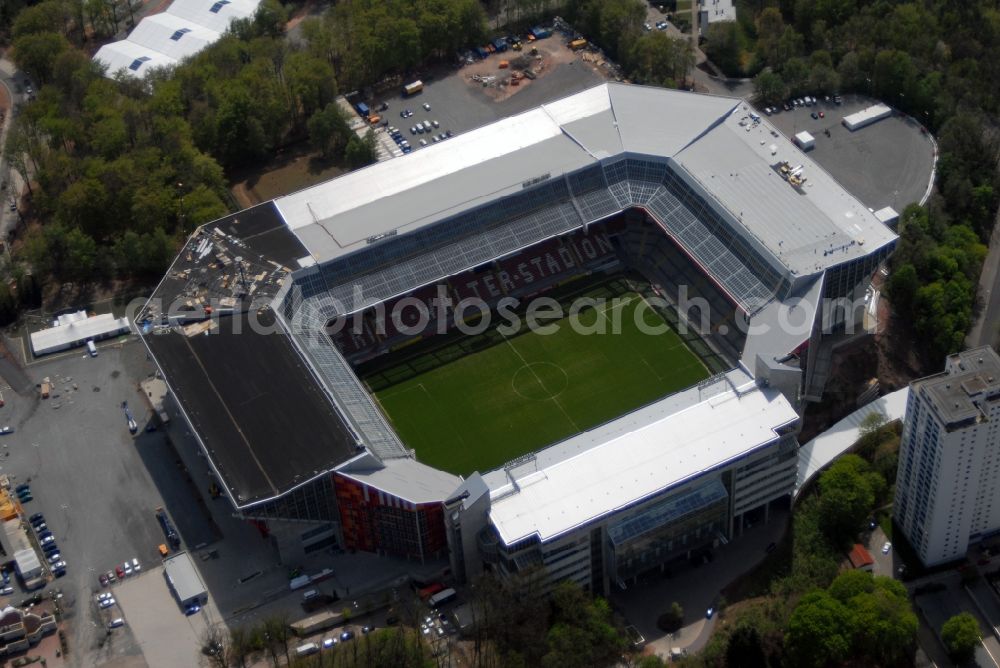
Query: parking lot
887, 163
459, 103
96, 484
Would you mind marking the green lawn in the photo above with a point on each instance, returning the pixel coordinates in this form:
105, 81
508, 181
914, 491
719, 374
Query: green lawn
488, 407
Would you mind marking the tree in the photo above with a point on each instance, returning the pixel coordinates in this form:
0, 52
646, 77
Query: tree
848, 490
960, 635
902, 288
672, 619
769, 87
581, 633
886, 624
870, 433
744, 649
725, 46
820, 631
360, 151
36, 53
328, 130
8, 305
658, 59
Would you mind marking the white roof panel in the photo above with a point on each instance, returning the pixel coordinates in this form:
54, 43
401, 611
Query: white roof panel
638, 455
57, 338
134, 59
213, 14
172, 35
408, 479
183, 577
807, 229
335, 217
658, 121
803, 231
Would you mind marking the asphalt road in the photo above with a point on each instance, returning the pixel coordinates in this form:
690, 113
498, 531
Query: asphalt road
987, 323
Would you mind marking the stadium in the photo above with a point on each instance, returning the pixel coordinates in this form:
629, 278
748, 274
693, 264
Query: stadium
337, 352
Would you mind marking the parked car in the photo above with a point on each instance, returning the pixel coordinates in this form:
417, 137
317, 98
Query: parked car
347, 635
115, 623
822, 115
886, 547
6, 591
814, 115
104, 580
709, 613
435, 124
6, 430
37, 517
110, 575
54, 558
40, 527
192, 609
49, 548
46, 541
120, 572
44, 534
106, 603
423, 142
59, 565
329, 642
127, 567
427, 106
23, 487
366, 630
135, 565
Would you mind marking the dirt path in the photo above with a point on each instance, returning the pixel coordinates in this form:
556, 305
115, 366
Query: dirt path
244, 196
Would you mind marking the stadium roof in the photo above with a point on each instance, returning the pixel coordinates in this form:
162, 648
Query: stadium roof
134, 59
636, 456
715, 142
405, 479
265, 421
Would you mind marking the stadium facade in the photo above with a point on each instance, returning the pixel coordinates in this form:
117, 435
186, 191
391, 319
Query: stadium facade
725, 218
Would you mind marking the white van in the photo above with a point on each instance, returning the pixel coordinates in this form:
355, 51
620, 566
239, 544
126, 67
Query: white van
307, 649
115, 623
91, 348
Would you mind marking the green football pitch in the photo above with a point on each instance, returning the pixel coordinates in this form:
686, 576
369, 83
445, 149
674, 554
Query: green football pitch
532, 389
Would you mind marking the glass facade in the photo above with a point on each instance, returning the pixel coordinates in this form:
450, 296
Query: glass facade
667, 529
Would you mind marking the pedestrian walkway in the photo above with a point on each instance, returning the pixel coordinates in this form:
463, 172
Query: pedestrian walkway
818, 453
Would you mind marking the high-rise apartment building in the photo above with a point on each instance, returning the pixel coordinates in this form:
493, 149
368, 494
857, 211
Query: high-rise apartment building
948, 484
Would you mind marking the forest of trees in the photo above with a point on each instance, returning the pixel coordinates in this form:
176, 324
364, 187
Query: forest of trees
121, 170
800, 611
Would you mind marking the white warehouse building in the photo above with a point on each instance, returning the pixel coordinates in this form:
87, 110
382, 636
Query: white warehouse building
75, 329
948, 483
164, 40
